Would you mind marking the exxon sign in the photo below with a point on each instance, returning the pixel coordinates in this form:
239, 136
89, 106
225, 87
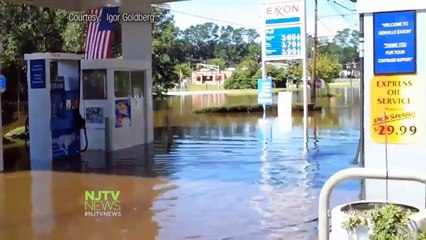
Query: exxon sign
285, 12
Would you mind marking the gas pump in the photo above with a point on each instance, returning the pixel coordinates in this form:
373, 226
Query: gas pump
54, 121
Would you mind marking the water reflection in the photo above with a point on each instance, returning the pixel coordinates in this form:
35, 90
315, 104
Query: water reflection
50, 205
233, 176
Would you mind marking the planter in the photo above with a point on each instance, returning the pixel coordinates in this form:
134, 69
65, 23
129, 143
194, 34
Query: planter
342, 213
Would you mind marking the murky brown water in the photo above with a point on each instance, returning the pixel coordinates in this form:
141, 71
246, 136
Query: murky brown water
233, 176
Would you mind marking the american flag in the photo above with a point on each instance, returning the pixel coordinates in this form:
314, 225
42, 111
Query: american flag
100, 34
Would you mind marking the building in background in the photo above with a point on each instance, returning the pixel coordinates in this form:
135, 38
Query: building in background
350, 70
210, 74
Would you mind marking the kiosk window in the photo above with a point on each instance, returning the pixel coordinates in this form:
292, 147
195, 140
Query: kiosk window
94, 84
122, 84
137, 79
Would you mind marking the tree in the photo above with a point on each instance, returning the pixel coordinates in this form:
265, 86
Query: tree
217, 61
328, 69
74, 35
345, 45
278, 74
343, 38
183, 70
27, 29
165, 47
242, 78
295, 72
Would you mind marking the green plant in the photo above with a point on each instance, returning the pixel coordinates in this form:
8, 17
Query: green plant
387, 222
421, 236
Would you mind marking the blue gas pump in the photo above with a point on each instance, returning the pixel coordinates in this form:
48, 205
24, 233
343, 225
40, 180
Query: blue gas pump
64, 127
54, 123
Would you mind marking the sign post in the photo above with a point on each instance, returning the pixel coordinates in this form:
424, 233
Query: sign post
264, 93
284, 38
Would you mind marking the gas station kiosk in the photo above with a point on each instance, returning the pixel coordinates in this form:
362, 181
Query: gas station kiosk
77, 105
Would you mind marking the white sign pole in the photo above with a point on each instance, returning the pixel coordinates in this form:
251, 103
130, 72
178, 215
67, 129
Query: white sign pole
264, 70
304, 76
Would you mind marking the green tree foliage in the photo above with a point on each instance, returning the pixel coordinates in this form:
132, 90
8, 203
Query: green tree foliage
328, 69
164, 45
27, 29
242, 78
344, 45
183, 70
217, 61
209, 41
278, 74
74, 35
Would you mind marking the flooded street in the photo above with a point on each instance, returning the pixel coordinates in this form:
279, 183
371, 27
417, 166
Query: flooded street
234, 176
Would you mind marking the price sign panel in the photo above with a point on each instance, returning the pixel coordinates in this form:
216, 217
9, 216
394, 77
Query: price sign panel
395, 102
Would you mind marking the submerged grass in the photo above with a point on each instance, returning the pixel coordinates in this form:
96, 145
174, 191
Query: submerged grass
253, 108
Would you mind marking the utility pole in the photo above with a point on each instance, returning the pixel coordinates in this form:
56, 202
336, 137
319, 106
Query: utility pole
314, 56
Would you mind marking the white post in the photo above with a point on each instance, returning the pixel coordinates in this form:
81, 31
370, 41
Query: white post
305, 79
264, 71
264, 74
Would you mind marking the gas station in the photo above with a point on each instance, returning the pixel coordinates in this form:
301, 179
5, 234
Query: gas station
94, 105
80, 107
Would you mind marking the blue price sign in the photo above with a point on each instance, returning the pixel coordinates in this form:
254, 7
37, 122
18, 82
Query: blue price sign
37, 74
264, 91
395, 42
2, 83
284, 43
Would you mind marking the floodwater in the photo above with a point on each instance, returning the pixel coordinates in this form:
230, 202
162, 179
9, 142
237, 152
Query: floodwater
235, 176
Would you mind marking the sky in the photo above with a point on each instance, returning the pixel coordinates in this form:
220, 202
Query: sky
247, 13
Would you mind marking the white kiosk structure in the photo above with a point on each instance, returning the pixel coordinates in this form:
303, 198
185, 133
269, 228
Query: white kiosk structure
114, 103
95, 105
136, 42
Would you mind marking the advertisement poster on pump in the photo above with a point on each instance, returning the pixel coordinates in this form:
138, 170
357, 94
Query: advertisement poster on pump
123, 116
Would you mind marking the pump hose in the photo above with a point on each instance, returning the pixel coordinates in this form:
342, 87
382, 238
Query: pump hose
85, 138
81, 122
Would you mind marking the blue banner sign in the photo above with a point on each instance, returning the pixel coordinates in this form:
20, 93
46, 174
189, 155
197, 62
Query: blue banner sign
37, 74
264, 91
2, 83
395, 42
284, 43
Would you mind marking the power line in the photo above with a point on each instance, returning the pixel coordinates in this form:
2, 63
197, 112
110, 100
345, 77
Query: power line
239, 24
206, 18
